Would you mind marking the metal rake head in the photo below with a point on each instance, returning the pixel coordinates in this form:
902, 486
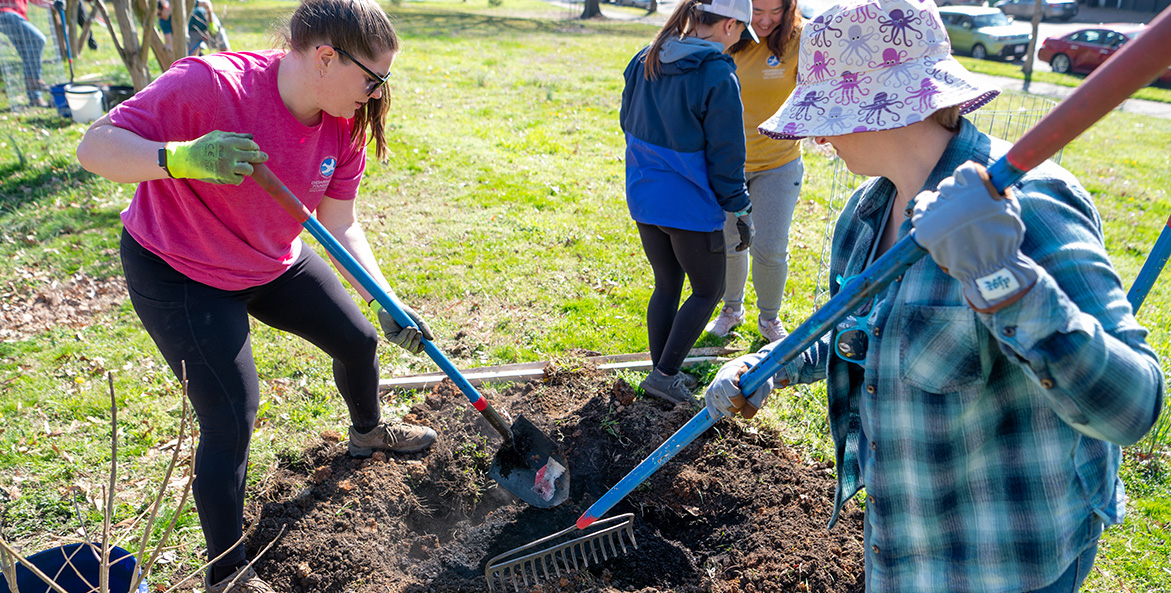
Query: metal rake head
546, 558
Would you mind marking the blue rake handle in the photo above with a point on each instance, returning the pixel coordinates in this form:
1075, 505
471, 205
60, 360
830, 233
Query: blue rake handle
269, 181
1136, 65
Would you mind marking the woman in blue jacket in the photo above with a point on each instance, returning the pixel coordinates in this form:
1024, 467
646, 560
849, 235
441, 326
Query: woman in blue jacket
683, 121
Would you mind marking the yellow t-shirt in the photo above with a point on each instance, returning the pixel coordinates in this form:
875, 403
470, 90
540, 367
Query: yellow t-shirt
765, 83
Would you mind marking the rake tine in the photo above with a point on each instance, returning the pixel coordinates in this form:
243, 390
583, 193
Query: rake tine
574, 554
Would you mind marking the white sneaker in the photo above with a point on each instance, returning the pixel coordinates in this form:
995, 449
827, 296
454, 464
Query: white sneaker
772, 329
724, 322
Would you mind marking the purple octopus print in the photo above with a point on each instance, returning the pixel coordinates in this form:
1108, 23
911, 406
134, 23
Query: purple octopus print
821, 28
849, 83
858, 46
873, 112
925, 94
897, 26
808, 102
820, 70
834, 122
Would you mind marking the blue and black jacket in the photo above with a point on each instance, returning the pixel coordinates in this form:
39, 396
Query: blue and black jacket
684, 137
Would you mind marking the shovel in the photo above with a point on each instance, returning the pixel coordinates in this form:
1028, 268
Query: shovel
528, 464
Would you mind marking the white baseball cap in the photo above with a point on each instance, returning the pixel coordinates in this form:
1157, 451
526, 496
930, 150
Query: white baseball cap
740, 10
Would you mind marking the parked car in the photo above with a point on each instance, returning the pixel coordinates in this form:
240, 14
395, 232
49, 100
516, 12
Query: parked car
961, 3
812, 8
1085, 49
1050, 9
985, 32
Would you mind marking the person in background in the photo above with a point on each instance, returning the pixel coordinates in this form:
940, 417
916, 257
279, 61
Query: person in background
204, 247
29, 42
767, 72
682, 117
982, 397
203, 28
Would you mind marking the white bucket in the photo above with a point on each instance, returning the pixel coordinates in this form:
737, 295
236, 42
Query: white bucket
85, 102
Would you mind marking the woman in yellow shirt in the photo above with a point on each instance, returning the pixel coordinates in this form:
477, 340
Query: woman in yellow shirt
767, 73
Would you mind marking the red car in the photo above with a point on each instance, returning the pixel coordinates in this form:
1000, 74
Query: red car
1085, 49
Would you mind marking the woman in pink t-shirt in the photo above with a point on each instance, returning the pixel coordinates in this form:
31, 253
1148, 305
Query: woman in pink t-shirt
205, 246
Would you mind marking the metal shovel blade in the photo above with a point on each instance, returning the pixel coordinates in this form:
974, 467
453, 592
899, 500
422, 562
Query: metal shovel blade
533, 467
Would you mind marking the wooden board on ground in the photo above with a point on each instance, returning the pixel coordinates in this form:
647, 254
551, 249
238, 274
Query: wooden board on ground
530, 371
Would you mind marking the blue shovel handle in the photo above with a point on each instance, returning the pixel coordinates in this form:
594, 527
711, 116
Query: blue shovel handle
269, 181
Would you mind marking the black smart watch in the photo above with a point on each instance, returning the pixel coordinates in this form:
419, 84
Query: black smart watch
163, 161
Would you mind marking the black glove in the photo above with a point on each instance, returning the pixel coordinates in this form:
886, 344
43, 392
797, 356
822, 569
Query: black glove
746, 229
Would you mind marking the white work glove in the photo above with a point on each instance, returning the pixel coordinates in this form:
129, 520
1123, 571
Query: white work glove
724, 398
975, 235
409, 338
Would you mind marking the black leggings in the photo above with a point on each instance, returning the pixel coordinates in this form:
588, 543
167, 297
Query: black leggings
676, 255
208, 329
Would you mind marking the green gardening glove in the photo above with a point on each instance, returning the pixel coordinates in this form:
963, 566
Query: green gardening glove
216, 157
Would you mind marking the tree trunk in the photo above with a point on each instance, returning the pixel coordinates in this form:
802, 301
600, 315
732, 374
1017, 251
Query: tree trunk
1027, 67
592, 9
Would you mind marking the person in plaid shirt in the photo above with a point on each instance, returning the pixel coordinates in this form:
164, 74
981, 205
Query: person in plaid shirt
982, 397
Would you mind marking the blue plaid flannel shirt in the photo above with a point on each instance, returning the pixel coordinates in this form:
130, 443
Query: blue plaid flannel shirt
992, 440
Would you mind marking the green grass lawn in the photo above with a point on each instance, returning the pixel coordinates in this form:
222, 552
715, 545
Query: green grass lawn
1040, 74
499, 216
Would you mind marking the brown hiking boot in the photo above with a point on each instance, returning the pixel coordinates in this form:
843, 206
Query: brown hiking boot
246, 582
398, 437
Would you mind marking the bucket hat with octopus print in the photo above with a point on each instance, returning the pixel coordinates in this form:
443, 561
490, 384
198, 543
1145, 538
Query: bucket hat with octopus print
868, 65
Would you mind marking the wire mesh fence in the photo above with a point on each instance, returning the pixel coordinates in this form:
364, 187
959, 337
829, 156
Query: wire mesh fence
30, 58
1007, 117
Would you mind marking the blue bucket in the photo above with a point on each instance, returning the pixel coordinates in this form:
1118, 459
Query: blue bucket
58, 91
75, 568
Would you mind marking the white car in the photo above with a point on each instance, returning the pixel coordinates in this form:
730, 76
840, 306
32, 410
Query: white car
1050, 9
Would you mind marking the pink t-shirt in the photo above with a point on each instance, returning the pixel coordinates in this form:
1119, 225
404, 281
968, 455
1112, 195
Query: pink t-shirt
227, 236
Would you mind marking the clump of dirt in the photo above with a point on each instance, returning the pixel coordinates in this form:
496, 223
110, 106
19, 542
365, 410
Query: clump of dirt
735, 511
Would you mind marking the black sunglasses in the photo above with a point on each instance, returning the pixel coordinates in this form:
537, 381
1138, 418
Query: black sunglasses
375, 80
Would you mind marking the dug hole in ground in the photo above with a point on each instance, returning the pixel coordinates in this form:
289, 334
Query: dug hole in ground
735, 511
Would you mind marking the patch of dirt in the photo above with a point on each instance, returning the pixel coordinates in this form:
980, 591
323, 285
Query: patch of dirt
72, 303
735, 511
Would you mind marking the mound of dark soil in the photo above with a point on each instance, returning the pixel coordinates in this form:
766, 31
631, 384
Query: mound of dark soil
735, 511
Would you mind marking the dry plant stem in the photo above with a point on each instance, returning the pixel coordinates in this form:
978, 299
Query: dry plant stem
22, 560
107, 518
8, 564
240, 572
225, 553
154, 555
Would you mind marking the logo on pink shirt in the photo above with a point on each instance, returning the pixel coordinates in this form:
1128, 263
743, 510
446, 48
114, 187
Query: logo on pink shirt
328, 165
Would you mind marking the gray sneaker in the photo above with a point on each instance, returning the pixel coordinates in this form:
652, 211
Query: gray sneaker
772, 329
248, 582
398, 437
689, 381
671, 389
724, 322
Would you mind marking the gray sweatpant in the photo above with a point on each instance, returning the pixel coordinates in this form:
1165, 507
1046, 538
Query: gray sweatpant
774, 195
